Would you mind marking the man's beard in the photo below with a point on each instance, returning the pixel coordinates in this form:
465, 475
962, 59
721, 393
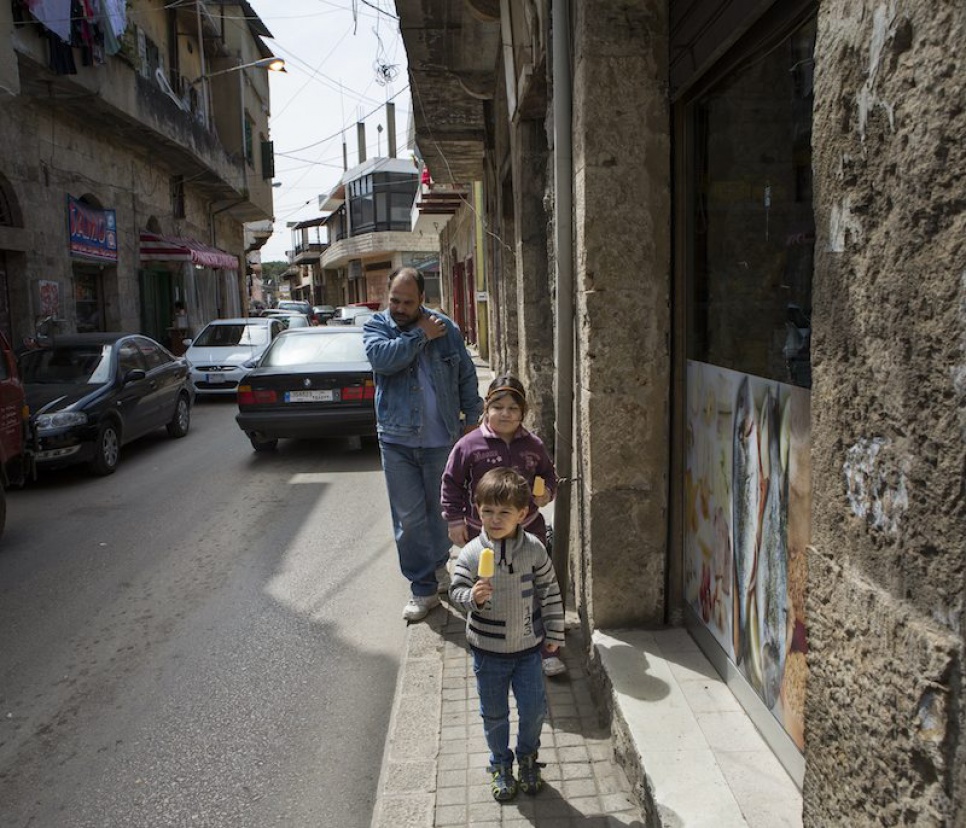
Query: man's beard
404, 321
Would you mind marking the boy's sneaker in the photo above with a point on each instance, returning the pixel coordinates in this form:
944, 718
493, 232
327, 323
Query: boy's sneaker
553, 666
530, 779
419, 606
443, 580
502, 784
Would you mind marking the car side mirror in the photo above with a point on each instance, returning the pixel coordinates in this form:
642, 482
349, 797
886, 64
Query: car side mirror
135, 375
187, 342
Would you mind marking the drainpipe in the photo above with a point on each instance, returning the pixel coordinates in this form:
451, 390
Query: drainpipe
563, 171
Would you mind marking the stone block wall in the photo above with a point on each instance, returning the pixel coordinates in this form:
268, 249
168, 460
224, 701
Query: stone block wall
622, 203
884, 718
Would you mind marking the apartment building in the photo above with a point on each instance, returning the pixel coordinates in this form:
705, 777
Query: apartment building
134, 147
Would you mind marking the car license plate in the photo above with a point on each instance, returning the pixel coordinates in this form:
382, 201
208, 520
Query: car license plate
314, 395
214, 379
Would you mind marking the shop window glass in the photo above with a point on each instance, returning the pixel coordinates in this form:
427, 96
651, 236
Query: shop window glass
751, 221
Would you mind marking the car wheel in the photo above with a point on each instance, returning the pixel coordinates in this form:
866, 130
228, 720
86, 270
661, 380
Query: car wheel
263, 443
107, 450
181, 422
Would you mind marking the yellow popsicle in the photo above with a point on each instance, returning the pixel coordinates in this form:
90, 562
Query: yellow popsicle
539, 487
485, 569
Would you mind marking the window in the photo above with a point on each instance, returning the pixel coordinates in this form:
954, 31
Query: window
751, 224
382, 202
129, 357
177, 196
249, 150
154, 355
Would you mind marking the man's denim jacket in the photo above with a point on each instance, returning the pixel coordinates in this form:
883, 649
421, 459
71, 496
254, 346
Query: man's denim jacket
393, 354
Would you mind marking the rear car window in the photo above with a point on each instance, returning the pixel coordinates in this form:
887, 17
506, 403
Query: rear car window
320, 348
81, 365
227, 336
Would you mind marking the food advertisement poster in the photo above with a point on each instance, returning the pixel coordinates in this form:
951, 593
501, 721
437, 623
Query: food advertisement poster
747, 507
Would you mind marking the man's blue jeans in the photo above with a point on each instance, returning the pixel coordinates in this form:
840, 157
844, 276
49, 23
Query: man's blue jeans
494, 678
413, 479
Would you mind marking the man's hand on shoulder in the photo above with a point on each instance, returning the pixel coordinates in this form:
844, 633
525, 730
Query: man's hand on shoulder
432, 325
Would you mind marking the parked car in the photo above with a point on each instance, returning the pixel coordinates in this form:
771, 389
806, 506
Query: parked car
224, 350
296, 305
90, 394
323, 313
16, 457
312, 382
289, 319
352, 315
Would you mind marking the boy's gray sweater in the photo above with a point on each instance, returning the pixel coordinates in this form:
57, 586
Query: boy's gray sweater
526, 605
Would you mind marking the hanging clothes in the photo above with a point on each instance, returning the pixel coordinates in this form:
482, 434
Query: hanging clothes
111, 18
54, 15
60, 55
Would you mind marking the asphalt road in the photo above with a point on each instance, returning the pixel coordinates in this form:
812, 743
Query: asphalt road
208, 637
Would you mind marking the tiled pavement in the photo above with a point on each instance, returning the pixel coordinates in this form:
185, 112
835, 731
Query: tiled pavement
706, 764
434, 768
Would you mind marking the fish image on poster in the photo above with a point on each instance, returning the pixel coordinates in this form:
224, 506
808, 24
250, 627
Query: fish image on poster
747, 504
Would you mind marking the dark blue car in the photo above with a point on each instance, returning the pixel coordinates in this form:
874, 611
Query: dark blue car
90, 394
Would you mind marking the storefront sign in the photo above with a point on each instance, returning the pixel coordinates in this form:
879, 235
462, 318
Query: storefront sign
93, 232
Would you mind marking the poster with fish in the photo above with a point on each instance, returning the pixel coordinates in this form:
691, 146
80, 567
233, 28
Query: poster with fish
747, 506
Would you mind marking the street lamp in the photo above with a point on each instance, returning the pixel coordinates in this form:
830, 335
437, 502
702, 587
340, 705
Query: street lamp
273, 64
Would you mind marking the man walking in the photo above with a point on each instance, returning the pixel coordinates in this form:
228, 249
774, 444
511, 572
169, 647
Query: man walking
425, 381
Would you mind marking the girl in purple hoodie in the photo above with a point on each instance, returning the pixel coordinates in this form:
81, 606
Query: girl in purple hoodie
500, 441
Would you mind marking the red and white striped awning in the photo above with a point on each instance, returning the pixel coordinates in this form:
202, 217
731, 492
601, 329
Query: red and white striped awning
156, 248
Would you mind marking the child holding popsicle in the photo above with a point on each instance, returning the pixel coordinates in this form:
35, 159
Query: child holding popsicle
498, 578
500, 441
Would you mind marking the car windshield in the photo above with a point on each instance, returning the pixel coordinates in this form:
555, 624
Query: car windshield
76, 365
307, 350
228, 336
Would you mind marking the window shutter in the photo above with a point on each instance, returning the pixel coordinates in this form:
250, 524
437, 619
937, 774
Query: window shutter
268, 159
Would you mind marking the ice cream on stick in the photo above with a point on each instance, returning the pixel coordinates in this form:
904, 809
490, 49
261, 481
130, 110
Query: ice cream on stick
539, 488
485, 569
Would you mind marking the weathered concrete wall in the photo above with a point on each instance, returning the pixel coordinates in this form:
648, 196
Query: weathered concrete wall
622, 212
884, 716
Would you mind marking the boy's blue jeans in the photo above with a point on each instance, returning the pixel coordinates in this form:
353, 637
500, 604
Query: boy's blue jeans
494, 678
413, 480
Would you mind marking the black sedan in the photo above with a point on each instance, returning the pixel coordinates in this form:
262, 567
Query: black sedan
89, 394
311, 382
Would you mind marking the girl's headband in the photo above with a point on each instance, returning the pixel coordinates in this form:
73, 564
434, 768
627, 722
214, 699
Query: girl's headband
509, 388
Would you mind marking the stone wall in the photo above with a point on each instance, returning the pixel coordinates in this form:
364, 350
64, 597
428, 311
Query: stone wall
884, 716
622, 205
534, 363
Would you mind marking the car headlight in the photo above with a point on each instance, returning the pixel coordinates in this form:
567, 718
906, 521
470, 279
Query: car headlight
60, 419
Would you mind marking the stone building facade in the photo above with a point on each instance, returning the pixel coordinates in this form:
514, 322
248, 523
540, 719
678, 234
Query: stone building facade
755, 212
128, 170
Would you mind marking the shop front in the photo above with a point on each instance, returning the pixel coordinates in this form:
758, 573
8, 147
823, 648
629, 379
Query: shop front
93, 257
185, 284
744, 239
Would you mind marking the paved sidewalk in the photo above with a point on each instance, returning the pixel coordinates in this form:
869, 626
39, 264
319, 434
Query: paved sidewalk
434, 768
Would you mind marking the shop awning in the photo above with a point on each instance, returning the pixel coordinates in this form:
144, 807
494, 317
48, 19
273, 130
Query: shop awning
155, 248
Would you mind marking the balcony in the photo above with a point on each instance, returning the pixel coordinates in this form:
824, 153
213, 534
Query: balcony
142, 114
435, 204
307, 253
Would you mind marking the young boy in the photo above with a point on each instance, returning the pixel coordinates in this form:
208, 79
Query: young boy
501, 440
502, 628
